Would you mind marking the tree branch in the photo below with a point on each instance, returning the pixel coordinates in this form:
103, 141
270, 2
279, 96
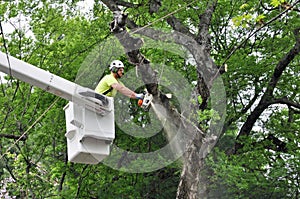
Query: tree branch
286, 101
204, 39
178, 26
14, 137
240, 113
131, 46
80, 180
276, 144
113, 5
267, 98
261, 28
126, 4
154, 6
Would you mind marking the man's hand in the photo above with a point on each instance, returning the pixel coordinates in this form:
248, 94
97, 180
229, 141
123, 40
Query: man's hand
139, 96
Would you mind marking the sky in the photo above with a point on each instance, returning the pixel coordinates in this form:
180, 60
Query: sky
21, 22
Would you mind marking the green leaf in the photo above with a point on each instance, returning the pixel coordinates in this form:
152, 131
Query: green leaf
276, 3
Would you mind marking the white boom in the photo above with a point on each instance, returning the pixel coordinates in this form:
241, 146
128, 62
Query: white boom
89, 115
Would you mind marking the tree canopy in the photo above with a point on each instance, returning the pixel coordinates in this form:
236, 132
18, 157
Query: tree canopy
229, 130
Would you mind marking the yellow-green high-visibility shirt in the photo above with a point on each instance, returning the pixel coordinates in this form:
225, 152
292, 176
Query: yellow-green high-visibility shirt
105, 84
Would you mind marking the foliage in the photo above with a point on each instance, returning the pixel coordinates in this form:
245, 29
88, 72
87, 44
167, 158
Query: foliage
56, 36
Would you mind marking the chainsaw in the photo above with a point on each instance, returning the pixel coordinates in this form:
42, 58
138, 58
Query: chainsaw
146, 101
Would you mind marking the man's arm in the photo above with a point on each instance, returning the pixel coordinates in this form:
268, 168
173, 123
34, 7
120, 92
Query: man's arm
124, 90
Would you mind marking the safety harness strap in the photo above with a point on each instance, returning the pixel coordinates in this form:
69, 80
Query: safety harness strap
110, 89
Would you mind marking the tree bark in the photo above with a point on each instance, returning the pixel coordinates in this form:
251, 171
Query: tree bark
198, 146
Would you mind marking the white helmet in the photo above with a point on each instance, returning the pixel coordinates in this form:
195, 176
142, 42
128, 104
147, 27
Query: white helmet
115, 65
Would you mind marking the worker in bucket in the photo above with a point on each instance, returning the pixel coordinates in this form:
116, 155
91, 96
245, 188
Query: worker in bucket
110, 84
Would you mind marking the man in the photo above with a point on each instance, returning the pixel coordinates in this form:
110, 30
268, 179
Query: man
110, 84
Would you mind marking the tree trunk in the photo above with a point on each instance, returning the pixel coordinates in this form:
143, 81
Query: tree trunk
198, 146
192, 165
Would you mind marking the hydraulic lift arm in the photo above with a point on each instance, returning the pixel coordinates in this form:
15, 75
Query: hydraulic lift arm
52, 83
89, 115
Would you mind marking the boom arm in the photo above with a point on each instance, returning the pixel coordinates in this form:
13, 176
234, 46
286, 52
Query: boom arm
89, 115
53, 83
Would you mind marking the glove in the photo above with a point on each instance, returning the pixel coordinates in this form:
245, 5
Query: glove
139, 96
